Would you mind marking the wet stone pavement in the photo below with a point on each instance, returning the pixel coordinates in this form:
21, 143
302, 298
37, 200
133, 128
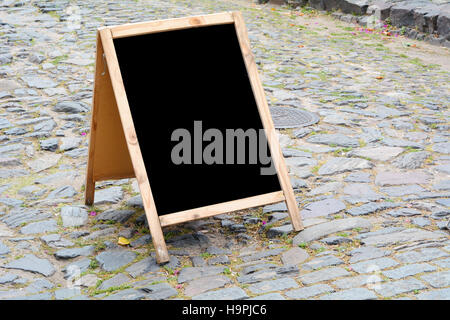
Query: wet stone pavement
371, 178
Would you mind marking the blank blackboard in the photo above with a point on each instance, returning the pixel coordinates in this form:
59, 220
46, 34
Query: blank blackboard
174, 78
156, 78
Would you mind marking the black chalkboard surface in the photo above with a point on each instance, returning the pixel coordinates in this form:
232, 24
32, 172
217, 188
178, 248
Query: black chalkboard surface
174, 78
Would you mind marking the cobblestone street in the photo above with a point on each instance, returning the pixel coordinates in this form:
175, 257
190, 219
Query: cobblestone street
372, 177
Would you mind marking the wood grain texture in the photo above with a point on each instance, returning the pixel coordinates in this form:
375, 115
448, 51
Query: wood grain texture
209, 211
266, 118
90, 182
134, 29
162, 254
108, 152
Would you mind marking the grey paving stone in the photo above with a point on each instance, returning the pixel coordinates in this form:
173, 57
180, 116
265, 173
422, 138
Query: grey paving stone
326, 188
394, 288
443, 263
404, 212
232, 293
39, 227
62, 192
339, 165
49, 144
382, 231
294, 256
401, 237
269, 296
275, 207
115, 281
39, 296
369, 266
307, 292
198, 261
389, 178
323, 275
112, 260
358, 177
322, 208
273, 285
379, 153
66, 293
88, 280
261, 273
4, 249
217, 250
191, 240
69, 143
336, 240
218, 260
11, 202
159, 291
316, 232
262, 254
115, 215
100, 233
127, 294
135, 201
74, 252
350, 294
277, 216
408, 270
421, 222
74, 269
321, 262
412, 160
73, 216
372, 207
191, 273
44, 162
8, 278
357, 281
441, 294
402, 190
437, 279
421, 255
109, 195
279, 231
334, 139
442, 147
366, 253
442, 185
143, 266
39, 82
145, 239
33, 264
198, 286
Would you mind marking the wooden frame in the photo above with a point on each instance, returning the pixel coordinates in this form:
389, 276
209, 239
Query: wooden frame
114, 151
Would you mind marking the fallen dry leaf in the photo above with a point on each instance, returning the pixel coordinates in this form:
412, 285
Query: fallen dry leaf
123, 241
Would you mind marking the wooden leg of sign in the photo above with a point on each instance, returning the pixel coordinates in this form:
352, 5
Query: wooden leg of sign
89, 191
291, 202
90, 182
266, 119
162, 255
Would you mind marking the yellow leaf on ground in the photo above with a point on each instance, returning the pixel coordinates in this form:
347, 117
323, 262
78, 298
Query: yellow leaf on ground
123, 241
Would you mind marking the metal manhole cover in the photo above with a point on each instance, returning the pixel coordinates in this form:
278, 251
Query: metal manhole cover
284, 117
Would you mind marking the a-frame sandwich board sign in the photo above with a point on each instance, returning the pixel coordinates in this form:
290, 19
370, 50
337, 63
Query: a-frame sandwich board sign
123, 145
